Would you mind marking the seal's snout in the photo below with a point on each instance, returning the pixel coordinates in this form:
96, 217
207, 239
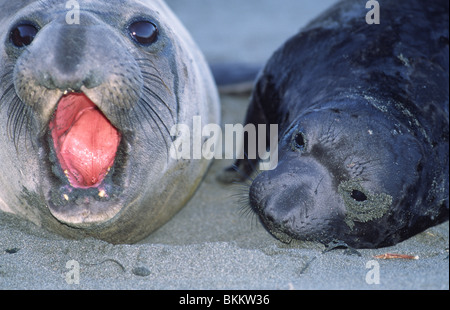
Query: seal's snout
290, 207
295, 199
84, 141
70, 64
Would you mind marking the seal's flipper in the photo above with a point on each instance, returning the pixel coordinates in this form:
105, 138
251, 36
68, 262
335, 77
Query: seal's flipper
337, 244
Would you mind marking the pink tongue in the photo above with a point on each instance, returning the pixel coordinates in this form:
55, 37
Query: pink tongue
85, 141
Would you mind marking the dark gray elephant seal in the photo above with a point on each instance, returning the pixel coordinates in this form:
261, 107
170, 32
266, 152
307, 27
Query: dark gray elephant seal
363, 115
89, 93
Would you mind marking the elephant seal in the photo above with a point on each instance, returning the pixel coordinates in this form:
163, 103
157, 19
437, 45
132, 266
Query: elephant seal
89, 93
363, 116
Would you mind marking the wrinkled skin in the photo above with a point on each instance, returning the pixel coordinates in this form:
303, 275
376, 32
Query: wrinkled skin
363, 127
141, 90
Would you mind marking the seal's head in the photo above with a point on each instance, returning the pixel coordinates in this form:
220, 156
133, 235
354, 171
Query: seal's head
89, 93
345, 173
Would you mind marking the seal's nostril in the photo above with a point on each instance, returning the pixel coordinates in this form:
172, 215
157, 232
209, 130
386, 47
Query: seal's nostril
270, 218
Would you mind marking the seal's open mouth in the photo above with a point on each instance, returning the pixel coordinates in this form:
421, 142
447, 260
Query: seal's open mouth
87, 159
84, 140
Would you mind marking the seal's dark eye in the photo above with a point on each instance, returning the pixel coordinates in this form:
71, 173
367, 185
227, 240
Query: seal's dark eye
299, 141
143, 32
22, 35
358, 195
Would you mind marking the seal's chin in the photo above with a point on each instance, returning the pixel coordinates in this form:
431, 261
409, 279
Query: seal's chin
85, 150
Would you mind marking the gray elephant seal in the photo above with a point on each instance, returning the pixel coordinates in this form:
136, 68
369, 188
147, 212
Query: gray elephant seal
363, 115
87, 100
